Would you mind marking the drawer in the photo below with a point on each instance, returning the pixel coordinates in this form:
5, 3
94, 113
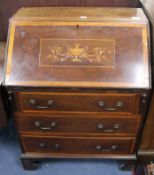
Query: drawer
78, 124
78, 145
86, 102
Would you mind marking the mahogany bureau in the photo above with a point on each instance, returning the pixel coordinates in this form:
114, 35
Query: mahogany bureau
79, 80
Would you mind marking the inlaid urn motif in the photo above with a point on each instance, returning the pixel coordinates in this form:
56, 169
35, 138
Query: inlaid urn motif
77, 52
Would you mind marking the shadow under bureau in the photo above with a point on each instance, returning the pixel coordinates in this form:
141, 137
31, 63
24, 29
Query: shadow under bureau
79, 80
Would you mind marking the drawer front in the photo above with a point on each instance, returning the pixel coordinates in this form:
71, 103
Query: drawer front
78, 145
75, 124
92, 102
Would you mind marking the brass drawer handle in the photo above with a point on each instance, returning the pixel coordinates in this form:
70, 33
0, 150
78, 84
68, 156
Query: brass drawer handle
52, 125
34, 104
101, 148
118, 105
101, 127
56, 146
42, 145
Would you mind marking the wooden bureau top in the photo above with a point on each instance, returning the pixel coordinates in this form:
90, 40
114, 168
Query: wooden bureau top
78, 47
79, 14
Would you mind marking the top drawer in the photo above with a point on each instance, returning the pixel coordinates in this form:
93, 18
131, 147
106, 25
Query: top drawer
81, 102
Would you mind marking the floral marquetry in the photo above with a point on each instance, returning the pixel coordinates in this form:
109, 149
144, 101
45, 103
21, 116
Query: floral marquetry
77, 52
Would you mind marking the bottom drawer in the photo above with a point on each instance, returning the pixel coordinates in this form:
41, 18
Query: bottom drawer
78, 145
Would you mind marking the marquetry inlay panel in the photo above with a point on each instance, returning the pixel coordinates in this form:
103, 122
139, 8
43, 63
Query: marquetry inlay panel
82, 52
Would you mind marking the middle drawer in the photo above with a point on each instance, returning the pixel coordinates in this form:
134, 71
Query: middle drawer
78, 124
